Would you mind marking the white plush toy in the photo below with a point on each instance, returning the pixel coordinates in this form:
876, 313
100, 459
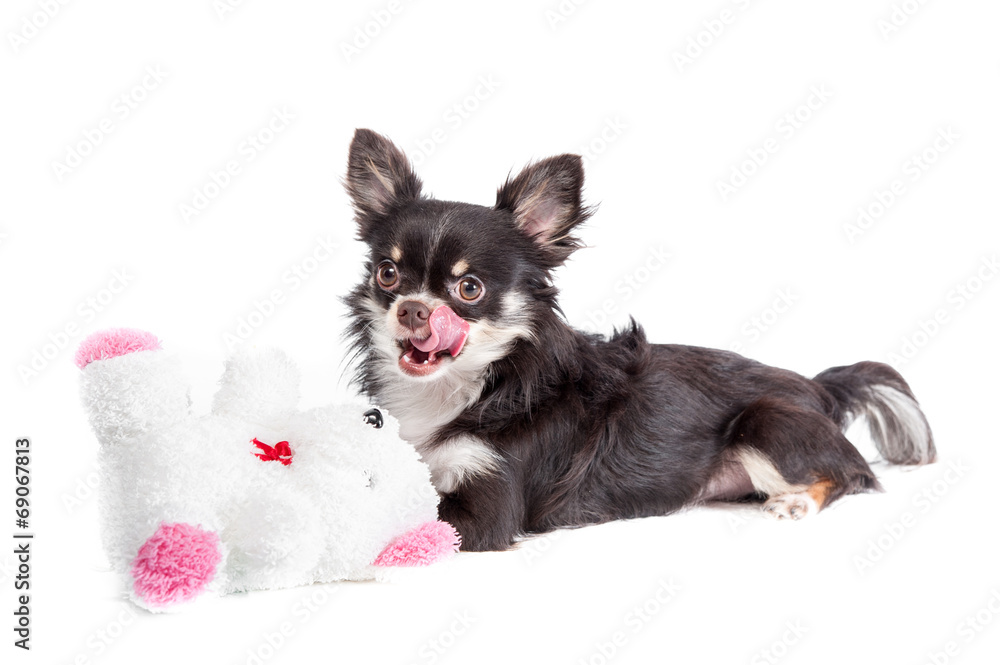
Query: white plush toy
254, 495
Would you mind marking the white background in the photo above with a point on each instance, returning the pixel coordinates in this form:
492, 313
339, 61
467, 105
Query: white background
856, 583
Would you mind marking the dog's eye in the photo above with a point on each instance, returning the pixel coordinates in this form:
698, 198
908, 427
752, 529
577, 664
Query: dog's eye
387, 274
470, 289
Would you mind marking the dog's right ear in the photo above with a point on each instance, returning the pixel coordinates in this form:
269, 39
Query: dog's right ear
379, 178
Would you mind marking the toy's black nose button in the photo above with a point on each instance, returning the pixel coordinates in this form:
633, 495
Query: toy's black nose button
373, 417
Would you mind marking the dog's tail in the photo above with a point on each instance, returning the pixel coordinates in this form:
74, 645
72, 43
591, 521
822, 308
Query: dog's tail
878, 392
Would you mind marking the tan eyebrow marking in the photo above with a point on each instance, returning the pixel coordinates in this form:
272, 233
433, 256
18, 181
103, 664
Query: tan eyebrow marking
396, 253
460, 268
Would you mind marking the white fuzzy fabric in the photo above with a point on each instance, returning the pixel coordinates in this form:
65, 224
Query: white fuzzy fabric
348, 492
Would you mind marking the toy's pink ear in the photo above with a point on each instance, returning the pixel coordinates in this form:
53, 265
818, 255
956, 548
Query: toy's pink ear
427, 543
114, 342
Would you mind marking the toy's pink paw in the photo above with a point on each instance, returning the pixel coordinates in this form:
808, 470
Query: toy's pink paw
429, 542
175, 564
114, 342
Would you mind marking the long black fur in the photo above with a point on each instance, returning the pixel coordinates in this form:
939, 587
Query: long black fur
589, 429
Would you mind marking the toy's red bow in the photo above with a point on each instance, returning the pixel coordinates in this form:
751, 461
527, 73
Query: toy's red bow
280, 452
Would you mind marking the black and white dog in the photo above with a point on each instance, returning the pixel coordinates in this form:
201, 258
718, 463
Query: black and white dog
529, 425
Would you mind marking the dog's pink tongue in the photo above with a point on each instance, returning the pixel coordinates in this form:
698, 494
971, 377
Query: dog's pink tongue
448, 332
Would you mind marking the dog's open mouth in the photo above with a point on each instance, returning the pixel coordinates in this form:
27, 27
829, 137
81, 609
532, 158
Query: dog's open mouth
448, 332
415, 362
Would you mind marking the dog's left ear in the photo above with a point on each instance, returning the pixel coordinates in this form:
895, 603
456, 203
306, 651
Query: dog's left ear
379, 178
545, 199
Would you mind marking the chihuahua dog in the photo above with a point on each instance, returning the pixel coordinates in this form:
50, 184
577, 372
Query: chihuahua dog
529, 425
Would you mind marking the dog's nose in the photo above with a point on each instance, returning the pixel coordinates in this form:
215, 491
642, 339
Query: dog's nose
412, 314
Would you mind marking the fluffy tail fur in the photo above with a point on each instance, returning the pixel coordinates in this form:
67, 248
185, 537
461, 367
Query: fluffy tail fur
878, 392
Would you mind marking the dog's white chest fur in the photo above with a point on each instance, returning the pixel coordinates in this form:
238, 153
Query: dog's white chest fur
453, 461
422, 411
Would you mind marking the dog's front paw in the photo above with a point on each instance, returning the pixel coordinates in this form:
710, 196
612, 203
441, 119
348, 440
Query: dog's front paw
792, 506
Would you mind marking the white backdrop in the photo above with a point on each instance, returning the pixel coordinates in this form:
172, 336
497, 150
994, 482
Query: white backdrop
811, 183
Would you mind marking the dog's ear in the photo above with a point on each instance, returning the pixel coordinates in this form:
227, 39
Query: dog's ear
545, 199
379, 177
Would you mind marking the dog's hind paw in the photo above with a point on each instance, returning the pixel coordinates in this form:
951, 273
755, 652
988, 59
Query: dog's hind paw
792, 506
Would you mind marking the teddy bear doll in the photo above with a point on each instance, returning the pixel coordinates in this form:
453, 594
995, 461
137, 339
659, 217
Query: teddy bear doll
255, 494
